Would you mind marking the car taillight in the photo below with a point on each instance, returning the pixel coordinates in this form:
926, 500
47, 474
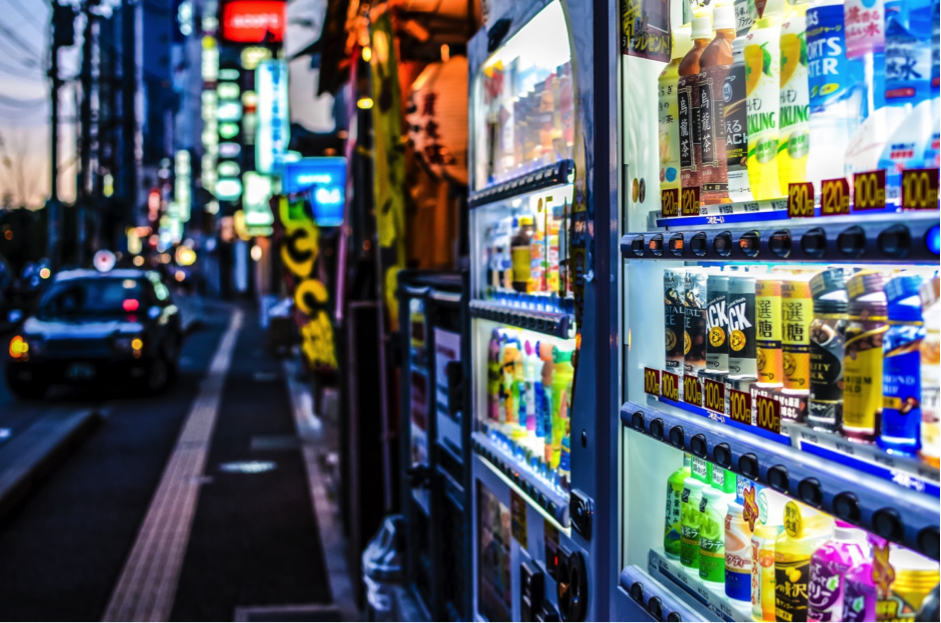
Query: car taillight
19, 348
130, 305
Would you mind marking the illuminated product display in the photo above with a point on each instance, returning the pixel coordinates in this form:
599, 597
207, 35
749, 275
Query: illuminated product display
253, 21
777, 314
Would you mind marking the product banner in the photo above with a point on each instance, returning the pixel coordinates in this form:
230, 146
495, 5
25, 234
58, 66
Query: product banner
645, 29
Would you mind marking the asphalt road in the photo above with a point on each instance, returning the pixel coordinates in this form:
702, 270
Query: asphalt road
254, 539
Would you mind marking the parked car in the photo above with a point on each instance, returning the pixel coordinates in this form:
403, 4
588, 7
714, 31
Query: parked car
91, 328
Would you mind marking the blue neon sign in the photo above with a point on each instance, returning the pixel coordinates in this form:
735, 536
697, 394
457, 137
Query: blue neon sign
325, 179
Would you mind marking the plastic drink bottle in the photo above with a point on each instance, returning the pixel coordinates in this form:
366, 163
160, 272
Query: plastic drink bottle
762, 572
737, 553
762, 89
713, 508
736, 123
494, 376
714, 65
859, 594
794, 145
672, 527
828, 567
797, 313
862, 359
930, 158
530, 363
930, 293
825, 407
836, 83
690, 522
520, 253
548, 370
668, 112
900, 428
562, 376
804, 531
688, 103
511, 390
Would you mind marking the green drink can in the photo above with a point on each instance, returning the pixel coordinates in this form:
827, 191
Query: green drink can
690, 521
713, 508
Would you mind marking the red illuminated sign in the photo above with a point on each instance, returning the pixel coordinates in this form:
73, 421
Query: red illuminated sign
250, 21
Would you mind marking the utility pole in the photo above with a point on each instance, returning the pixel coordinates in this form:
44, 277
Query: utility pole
85, 196
127, 162
63, 35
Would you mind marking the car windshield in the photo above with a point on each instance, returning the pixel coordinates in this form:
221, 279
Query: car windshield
82, 298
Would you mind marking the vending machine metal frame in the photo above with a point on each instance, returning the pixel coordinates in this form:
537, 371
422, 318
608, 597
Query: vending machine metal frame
585, 554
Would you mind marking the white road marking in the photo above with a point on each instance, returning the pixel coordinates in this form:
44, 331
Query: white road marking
147, 586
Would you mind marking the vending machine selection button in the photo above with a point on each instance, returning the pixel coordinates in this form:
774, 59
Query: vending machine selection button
851, 241
846, 506
748, 466
656, 429
887, 523
676, 437
777, 478
810, 492
895, 241
722, 455
780, 243
697, 445
749, 243
722, 244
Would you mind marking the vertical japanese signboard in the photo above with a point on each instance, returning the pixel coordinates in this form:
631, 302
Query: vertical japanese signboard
274, 128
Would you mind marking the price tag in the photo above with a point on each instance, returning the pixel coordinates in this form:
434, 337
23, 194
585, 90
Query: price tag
920, 189
740, 406
768, 414
671, 386
692, 391
651, 381
689, 201
869, 190
715, 395
834, 197
800, 200
670, 202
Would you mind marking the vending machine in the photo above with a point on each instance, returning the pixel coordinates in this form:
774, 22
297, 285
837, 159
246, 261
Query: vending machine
435, 453
779, 324
541, 448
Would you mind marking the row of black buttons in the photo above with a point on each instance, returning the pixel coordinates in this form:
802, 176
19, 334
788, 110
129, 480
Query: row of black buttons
558, 325
561, 172
893, 243
886, 522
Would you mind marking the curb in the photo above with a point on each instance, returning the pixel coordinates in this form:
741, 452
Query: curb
28, 458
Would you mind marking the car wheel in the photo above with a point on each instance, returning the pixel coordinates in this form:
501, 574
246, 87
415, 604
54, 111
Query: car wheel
158, 376
27, 390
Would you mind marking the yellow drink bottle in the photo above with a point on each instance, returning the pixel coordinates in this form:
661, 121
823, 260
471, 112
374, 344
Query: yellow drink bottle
805, 529
794, 143
762, 99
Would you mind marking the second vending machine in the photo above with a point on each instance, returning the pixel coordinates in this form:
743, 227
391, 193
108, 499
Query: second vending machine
780, 321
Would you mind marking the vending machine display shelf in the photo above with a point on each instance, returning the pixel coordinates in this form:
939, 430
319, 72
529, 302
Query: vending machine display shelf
687, 583
862, 498
870, 238
557, 324
562, 172
540, 492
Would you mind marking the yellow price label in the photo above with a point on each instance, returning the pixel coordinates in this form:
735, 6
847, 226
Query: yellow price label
671, 386
834, 197
869, 190
689, 201
715, 395
651, 381
768, 414
692, 391
670, 202
800, 200
740, 406
920, 189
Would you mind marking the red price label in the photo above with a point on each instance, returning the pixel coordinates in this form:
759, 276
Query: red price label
670, 202
689, 201
740, 406
692, 391
671, 386
834, 197
651, 381
768, 414
869, 190
920, 189
800, 200
714, 394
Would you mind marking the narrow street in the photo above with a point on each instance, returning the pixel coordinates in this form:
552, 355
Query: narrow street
251, 538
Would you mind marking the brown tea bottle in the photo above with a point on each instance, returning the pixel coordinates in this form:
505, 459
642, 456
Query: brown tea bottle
714, 64
688, 104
